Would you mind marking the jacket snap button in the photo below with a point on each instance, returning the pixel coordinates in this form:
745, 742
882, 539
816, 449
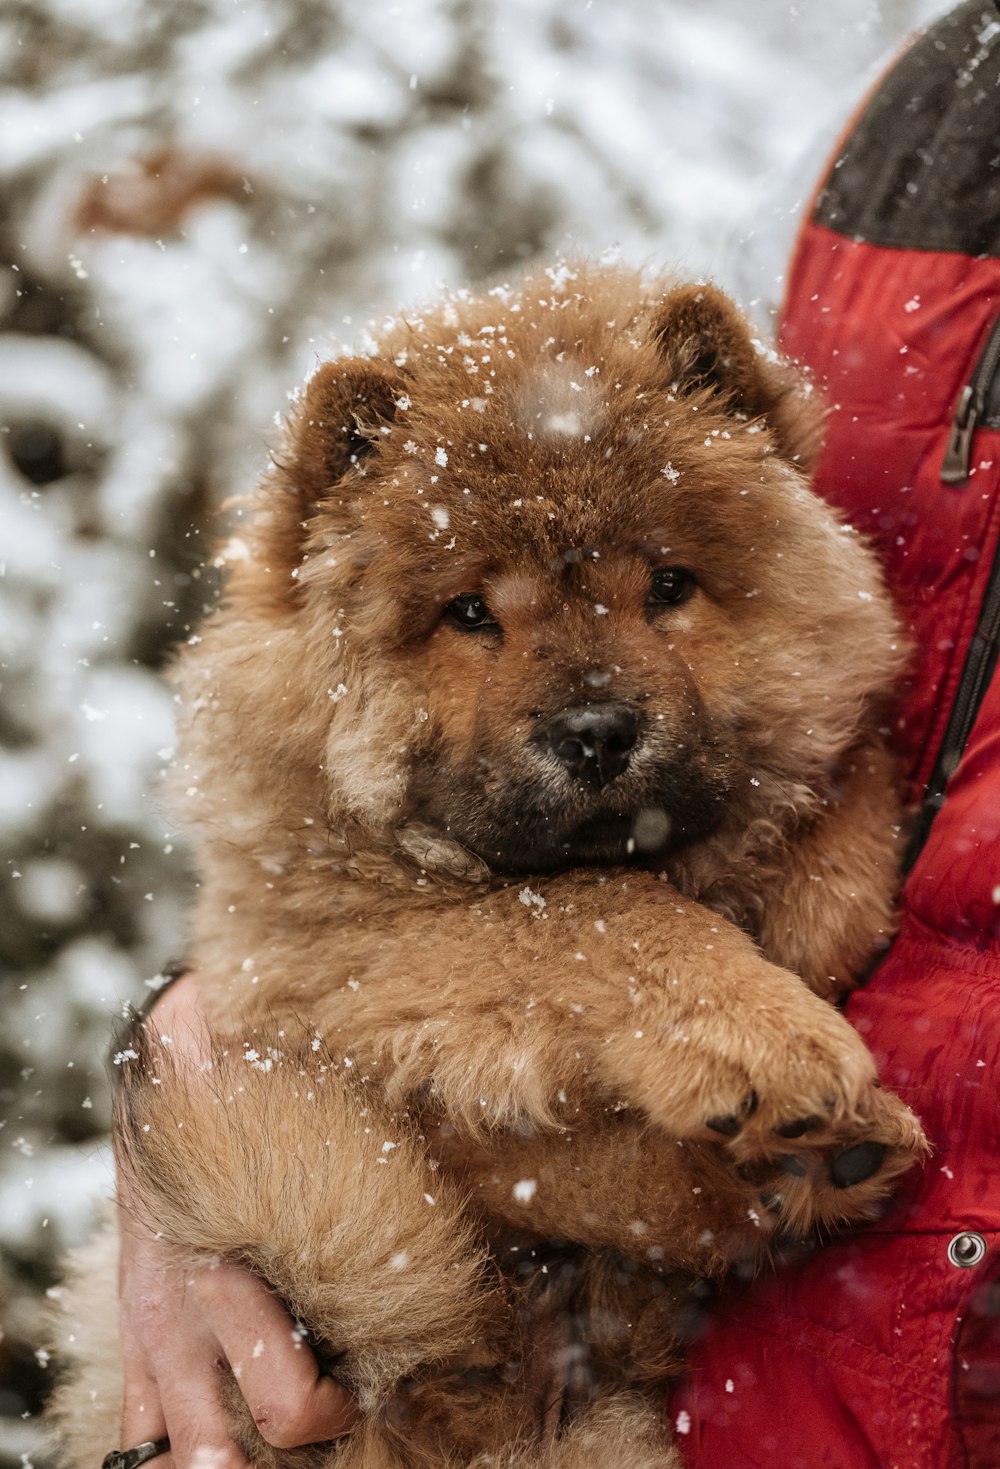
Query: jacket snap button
966, 1249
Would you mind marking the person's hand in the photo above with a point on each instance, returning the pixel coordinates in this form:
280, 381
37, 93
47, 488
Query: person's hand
181, 1325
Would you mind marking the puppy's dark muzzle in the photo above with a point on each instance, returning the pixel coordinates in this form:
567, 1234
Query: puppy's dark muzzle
593, 742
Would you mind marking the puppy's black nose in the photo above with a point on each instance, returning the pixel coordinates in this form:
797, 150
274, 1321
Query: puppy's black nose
594, 741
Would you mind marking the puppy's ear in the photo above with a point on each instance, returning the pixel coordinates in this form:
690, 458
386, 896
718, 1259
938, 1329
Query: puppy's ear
706, 343
346, 407
333, 429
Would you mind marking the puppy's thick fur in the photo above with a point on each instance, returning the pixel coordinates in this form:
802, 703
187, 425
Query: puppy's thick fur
535, 761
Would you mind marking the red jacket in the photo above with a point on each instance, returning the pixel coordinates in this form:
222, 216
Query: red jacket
883, 1350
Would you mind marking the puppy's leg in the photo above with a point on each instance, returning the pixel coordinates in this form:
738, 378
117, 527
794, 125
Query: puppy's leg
615, 1183
276, 1162
616, 989
626, 1430
833, 907
653, 1212
623, 1432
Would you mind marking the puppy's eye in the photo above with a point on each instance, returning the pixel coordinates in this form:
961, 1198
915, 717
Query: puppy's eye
670, 586
470, 613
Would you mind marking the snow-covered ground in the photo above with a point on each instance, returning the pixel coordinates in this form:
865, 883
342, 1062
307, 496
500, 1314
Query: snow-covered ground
308, 166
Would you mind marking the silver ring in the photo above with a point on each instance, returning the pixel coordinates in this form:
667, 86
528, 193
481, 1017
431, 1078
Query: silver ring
141, 1454
966, 1249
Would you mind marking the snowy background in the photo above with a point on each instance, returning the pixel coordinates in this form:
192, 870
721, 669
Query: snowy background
197, 200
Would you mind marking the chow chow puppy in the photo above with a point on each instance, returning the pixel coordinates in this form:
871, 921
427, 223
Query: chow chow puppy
535, 764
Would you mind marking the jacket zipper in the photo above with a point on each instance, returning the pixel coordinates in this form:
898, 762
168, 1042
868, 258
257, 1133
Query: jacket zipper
979, 664
981, 658
969, 411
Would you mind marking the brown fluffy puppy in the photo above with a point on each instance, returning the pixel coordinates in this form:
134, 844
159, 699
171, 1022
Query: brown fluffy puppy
535, 763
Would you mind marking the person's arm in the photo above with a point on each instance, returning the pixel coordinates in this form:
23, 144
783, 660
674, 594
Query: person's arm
180, 1324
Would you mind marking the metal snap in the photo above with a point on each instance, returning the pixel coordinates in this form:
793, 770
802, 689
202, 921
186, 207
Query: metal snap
966, 1249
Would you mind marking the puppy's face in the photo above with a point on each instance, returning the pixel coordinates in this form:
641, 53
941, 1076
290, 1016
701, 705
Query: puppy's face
584, 607
573, 690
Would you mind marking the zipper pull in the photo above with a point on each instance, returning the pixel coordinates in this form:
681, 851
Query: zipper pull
955, 465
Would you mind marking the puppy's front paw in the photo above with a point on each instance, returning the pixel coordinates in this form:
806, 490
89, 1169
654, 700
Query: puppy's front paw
777, 1066
848, 1179
754, 1206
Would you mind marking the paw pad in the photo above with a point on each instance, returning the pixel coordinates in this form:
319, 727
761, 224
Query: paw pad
856, 1164
732, 1123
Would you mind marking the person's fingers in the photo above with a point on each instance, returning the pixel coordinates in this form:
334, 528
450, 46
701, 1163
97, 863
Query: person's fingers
303, 1409
182, 1328
291, 1402
199, 1427
172, 1383
142, 1411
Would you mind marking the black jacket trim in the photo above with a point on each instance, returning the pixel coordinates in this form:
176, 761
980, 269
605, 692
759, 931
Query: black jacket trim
921, 169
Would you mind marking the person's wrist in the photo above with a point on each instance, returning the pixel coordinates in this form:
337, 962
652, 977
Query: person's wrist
173, 1015
175, 1021
177, 1017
